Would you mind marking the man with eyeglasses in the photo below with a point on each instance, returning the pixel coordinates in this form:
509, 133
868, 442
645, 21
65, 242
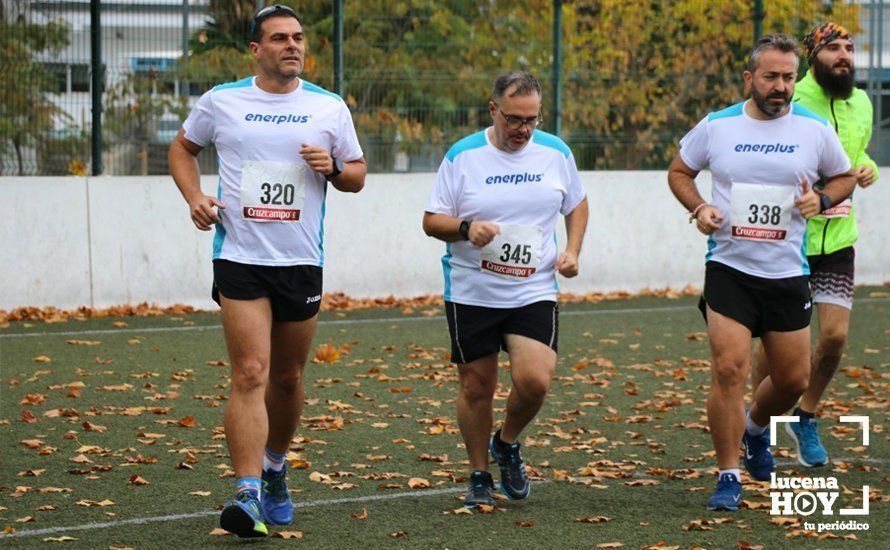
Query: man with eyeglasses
280, 141
763, 154
496, 201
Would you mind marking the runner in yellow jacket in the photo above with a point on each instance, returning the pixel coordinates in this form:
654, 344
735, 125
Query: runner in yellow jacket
828, 89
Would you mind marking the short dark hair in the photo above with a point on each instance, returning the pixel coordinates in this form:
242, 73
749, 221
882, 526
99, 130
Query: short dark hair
526, 83
275, 10
781, 42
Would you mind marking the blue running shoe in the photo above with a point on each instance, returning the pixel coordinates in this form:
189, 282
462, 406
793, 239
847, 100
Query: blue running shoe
805, 434
277, 505
480, 490
514, 478
243, 516
728, 495
759, 460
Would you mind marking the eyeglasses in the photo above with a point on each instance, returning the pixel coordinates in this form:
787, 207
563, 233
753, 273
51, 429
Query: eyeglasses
270, 10
515, 122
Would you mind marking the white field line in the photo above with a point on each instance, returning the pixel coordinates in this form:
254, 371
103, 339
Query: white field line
336, 322
328, 502
331, 322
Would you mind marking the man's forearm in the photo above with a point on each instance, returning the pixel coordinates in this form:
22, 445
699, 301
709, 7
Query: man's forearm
352, 178
442, 227
683, 188
184, 169
839, 188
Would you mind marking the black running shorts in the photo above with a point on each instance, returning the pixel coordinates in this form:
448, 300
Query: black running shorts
478, 331
762, 305
294, 291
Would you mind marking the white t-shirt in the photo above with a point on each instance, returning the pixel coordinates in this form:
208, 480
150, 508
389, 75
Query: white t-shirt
524, 192
274, 211
757, 167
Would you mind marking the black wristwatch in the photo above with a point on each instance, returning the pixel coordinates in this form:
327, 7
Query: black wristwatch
825, 203
338, 169
465, 229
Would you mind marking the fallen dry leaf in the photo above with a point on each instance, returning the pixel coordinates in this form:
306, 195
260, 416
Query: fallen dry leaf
188, 422
398, 534
90, 427
327, 353
90, 503
418, 483
288, 534
361, 515
135, 479
65, 538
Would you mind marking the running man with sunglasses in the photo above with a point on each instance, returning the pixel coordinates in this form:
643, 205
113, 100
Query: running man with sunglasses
280, 141
496, 201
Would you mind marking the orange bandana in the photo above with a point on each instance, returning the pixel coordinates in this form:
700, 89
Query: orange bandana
820, 36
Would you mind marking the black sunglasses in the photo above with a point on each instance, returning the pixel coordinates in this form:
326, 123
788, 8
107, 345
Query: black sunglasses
270, 10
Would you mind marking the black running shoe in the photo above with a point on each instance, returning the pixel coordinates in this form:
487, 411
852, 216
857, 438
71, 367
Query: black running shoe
514, 478
244, 516
480, 490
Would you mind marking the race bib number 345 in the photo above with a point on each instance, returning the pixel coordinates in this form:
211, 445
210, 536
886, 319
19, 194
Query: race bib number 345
272, 191
761, 212
514, 253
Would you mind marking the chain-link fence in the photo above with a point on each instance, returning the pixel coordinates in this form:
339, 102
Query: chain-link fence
634, 77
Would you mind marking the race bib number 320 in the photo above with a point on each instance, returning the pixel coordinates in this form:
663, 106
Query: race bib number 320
272, 191
514, 253
761, 212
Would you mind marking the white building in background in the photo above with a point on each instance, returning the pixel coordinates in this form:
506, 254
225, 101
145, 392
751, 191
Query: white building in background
137, 36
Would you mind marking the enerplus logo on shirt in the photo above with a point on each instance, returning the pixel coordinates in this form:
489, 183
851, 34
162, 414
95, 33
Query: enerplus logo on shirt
515, 179
765, 148
277, 119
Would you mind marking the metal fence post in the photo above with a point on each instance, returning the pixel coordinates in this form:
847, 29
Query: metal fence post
338, 47
97, 74
757, 15
185, 85
556, 106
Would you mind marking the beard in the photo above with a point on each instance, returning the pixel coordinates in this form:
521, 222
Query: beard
770, 109
839, 86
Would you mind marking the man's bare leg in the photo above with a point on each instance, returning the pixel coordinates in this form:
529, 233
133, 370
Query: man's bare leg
247, 325
532, 365
834, 324
788, 354
291, 344
478, 381
731, 350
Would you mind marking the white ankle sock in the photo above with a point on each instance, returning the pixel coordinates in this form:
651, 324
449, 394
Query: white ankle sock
751, 427
732, 471
269, 462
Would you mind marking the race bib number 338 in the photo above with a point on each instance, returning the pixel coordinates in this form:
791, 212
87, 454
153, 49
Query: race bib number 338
272, 191
761, 212
514, 253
